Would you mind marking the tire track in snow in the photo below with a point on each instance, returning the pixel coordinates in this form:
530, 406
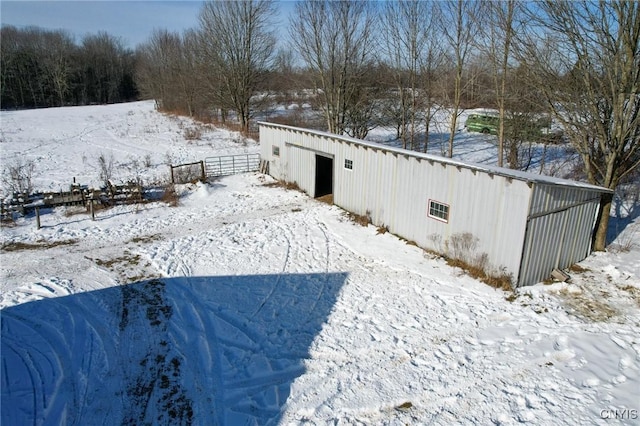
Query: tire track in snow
285, 266
37, 401
207, 371
47, 288
287, 256
323, 229
47, 373
237, 360
320, 294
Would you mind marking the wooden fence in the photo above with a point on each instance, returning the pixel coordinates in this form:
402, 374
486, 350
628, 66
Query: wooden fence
78, 195
188, 172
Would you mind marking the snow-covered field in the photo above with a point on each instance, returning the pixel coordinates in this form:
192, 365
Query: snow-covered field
252, 304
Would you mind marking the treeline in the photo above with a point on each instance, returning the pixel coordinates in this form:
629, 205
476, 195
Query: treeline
42, 68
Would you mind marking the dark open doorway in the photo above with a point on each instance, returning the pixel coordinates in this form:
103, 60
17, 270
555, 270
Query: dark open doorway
324, 176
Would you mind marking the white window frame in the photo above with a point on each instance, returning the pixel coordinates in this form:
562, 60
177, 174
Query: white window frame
438, 207
348, 164
275, 150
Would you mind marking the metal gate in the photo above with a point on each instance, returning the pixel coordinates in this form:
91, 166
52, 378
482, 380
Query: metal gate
231, 164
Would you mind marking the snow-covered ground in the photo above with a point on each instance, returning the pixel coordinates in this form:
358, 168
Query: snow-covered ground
67, 143
252, 304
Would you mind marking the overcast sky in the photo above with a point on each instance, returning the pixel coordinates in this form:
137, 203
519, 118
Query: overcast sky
133, 21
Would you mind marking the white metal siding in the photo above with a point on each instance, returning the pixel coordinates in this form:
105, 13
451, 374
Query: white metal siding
394, 190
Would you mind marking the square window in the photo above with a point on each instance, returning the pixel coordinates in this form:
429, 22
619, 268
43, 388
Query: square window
438, 211
275, 150
348, 164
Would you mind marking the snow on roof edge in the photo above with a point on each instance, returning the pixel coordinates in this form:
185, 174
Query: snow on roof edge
500, 171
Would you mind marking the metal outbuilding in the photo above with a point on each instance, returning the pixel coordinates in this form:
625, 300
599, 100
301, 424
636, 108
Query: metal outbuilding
526, 225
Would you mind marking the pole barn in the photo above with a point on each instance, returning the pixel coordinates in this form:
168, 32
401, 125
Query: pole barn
522, 224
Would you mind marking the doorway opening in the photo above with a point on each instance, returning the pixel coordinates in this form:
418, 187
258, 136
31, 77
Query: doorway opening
324, 176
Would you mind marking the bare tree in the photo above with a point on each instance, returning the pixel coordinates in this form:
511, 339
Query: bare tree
335, 40
364, 103
238, 43
157, 68
169, 71
460, 25
431, 71
588, 69
283, 75
500, 34
190, 71
56, 62
405, 31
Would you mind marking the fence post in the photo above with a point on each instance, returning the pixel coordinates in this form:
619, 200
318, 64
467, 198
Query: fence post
204, 176
172, 181
38, 217
93, 213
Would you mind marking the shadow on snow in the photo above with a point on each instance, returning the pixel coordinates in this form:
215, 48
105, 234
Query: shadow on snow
196, 350
626, 209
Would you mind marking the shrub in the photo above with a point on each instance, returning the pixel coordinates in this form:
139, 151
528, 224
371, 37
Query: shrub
105, 168
461, 252
170, 196
462, 247
192, 133
18, 176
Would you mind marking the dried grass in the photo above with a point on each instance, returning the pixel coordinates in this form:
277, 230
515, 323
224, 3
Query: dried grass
500, 280
362, 220
634, 292
292, 186
461, 253
327, 199
18, 246
578, 269
587, 306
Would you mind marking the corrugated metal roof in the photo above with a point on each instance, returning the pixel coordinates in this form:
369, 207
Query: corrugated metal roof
500, 171
548, 198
